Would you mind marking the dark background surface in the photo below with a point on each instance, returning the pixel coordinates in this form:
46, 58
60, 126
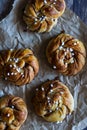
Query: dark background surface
79, 7
5, 7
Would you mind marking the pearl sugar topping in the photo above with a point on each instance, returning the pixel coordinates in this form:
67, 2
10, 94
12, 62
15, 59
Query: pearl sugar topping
61, 92
10, 66
66, 50
6, 78
14, 59
37, 89
51, 85
45, 1
8, 115
48, 98
57, 108
51, 90
12, 107
15, 73
75, 43
8, 74
42, 88
54, 67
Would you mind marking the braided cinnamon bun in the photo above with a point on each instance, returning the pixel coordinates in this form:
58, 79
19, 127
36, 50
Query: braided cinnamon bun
42, 15
53, 101
13, 112
18, 66
66, 54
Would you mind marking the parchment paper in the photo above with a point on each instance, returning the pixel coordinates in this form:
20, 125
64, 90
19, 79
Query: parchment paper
13, 35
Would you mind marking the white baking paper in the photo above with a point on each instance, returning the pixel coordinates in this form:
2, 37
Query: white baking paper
13, 35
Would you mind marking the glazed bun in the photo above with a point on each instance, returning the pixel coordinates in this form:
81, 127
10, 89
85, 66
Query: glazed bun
18, 66
13, 112
66, 54
53, 101
42, 15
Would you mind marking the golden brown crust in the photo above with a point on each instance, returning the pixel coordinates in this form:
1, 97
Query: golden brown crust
13, 112
53, 101
66, 54
19, 66
42, 15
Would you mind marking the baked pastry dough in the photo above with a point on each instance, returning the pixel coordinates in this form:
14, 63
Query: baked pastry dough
13, 112
53, 101
66, 54
18, 66
42, 15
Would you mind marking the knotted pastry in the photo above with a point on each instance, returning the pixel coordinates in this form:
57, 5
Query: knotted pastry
53, 101
42, 15
13, 112
66, 54
18, 66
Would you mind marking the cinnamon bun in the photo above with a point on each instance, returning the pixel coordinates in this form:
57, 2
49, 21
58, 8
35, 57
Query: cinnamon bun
53, 101
18, 66
13, 112
42, 15
66, 54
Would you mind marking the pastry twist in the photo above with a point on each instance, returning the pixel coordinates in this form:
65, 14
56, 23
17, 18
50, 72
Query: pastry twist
66, 54
13, 112
42, 15
53, 101
18, 66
